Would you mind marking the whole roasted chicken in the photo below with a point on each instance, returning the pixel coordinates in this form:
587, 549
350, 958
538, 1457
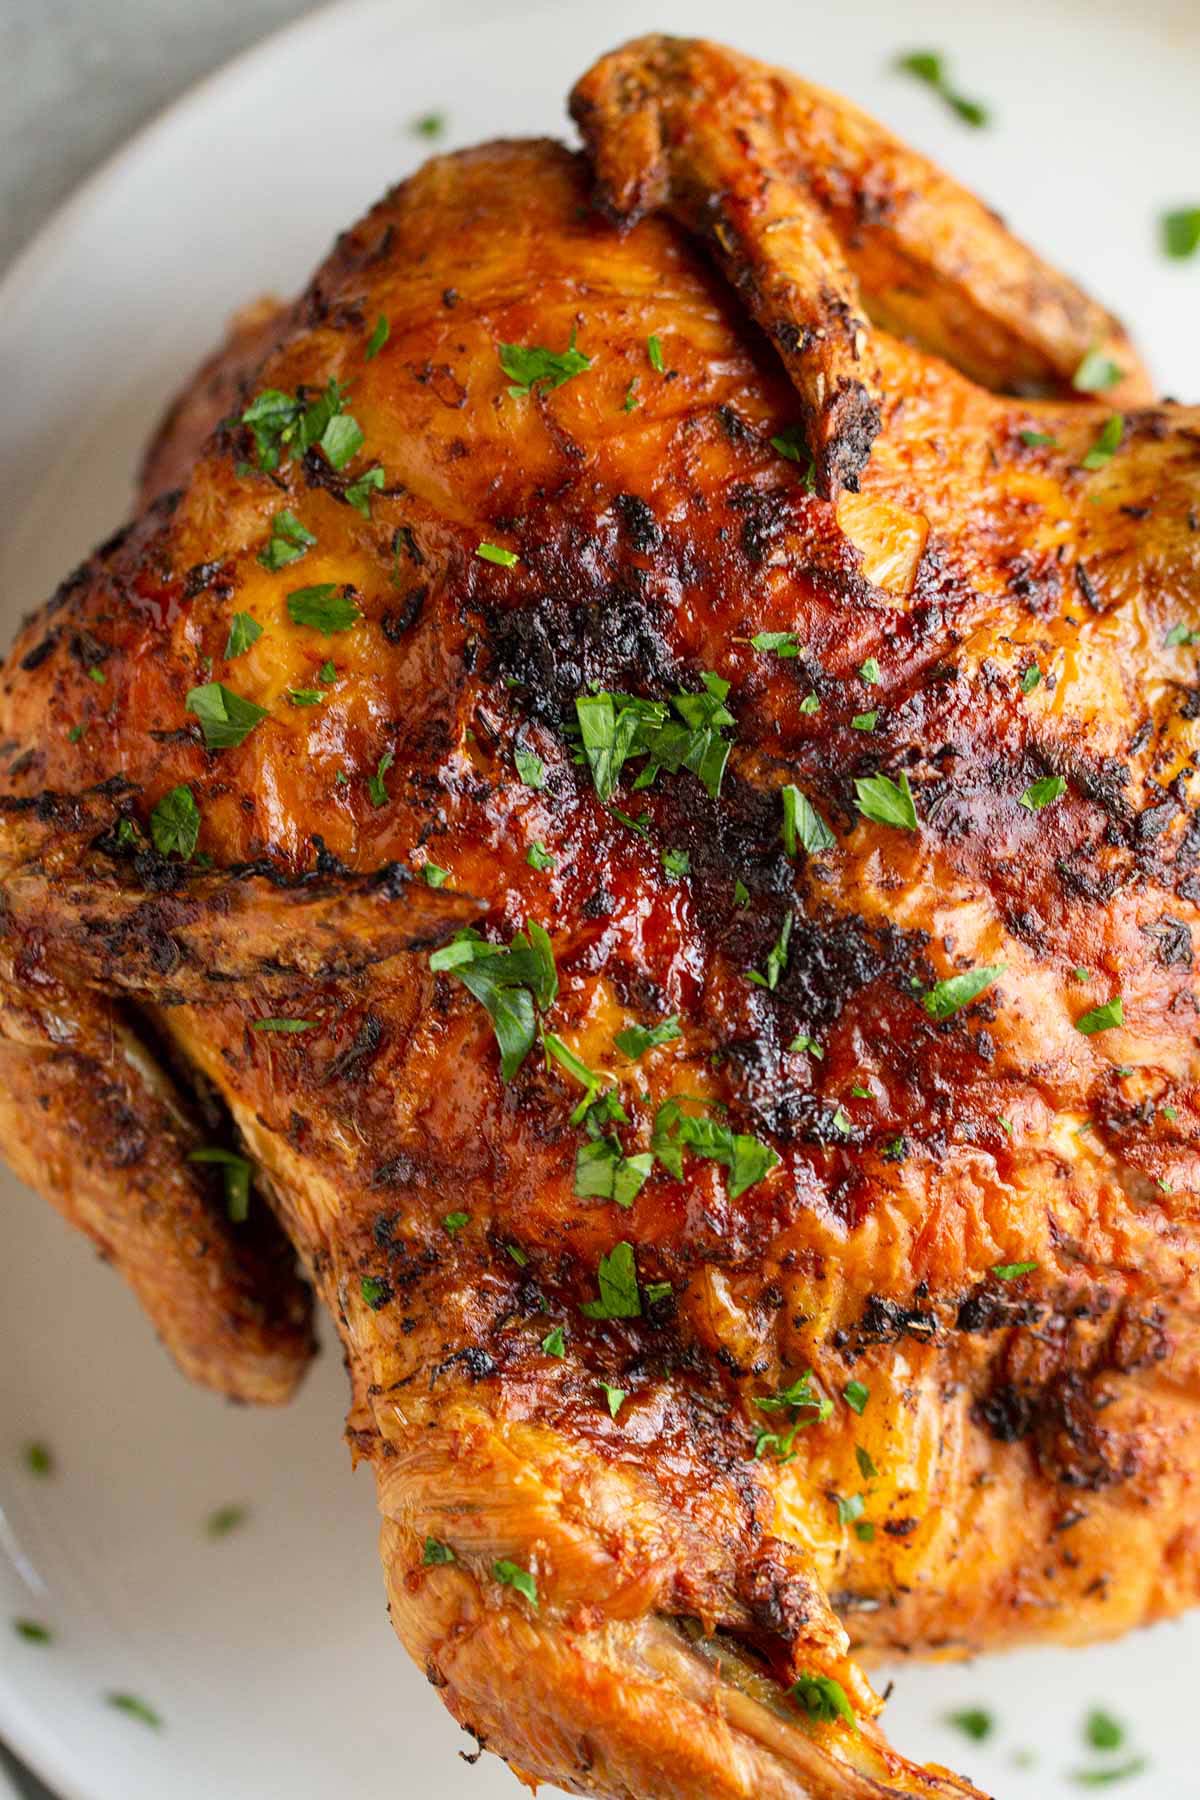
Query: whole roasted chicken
629, 793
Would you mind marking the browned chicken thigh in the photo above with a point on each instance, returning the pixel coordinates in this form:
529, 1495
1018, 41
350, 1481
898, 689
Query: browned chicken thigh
631, 792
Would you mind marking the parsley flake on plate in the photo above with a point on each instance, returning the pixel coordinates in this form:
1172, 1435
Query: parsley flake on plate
136, 1709
1181, 232
929, 67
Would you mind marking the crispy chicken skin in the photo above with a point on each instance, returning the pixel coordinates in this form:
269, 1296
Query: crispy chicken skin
634, 1551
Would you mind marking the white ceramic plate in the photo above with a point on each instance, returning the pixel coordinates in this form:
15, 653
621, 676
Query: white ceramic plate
268, 1653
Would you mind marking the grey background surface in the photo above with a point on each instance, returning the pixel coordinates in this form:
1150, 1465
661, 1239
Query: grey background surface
79, 77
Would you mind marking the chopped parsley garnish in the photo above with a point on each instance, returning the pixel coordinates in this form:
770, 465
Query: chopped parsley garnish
929, 67
1102, 1018
654, 352
802, 1042
803, 825
1180, 634
1107, 444
630, 400
866, 1466
226, 720
175, 823
886, 803
305, 696
741, 893
286, 1027
842, 1121
358, 493
33, 1632
604, 1172
1106, 1777
784, 643
376, 1292
75, 733
225, 1519
530, 768
810, 704
870, 671
614, 1396
1181, 232
973, 1722
96, 674
518, 1255
1096, 373
1043, 793
375, 783
235, 1175
495, 553
823, 1699
437, 1554
506, 982
512, 1575
849, 1507
288, 542
635, 1040
555, 1343
618, 1283
1012, 1271
776, 959
136, 1709
805, 1405
747, 1158
434, 875
244, 630
947, 997
866, 721
455, 1221
864, 1531
578, 1071
676, 864
856, 1396
1030, 678
538, 857
378, 337
286, 424
532, 366
327, 673
1102, 1732
1038, 440
39, 1459
616, 727
790, 443
326, 607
